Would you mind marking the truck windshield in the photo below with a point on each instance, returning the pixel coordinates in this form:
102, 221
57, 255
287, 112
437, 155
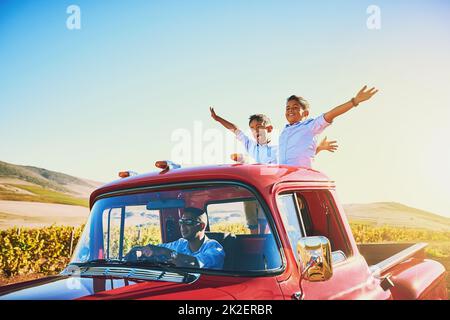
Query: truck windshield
218, 227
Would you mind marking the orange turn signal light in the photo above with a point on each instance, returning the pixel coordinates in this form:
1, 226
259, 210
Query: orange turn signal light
166, 165
237, 157
162, 165
124, 174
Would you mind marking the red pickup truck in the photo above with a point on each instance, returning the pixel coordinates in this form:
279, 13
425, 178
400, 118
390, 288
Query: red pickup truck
283, 231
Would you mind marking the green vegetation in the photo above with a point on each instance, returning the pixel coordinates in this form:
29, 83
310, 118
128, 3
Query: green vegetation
41, 195
43, 250
133, 237
365, 233
236, 228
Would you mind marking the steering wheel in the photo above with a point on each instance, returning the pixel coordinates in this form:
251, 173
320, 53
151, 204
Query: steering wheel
133, 257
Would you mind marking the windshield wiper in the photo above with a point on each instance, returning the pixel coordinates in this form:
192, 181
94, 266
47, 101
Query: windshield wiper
104, 261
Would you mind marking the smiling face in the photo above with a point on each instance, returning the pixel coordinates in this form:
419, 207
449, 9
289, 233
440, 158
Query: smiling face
295, 112
193, 227
297, 109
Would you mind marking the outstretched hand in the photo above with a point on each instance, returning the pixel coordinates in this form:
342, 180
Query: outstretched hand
364, 94
330, 146
361, 96
213, 113
222, 121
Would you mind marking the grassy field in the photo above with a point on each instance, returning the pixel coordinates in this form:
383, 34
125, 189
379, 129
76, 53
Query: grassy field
39, 194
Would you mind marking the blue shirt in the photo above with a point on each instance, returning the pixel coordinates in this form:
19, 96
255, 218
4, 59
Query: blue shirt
298, 142
210, 255
265, 153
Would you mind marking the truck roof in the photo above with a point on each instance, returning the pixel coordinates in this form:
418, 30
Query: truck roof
258, 175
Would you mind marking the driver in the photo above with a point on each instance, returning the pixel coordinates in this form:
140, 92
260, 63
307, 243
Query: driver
194, 249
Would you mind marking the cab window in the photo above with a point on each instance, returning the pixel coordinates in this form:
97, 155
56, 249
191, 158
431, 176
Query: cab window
310, 213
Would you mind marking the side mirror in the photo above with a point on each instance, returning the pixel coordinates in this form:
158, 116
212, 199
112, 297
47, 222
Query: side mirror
314, 258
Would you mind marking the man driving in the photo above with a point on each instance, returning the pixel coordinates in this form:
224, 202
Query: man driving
194, 249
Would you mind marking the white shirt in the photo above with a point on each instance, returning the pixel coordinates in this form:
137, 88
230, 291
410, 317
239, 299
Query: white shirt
298, 142
265, 153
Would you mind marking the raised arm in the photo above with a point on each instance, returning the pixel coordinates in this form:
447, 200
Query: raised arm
362, 95
230, 126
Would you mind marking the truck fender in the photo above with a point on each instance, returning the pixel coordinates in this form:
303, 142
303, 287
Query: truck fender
419, 279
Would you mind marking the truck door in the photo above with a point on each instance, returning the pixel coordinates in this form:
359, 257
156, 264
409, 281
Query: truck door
311, 213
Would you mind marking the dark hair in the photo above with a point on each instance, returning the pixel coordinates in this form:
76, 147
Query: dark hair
260, 118
198, 213
302, 101
195, 211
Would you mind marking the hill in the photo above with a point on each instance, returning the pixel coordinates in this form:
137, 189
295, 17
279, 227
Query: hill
27, 183
395, 215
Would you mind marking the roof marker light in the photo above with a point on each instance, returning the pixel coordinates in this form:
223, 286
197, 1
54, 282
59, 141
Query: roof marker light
238, 157
166, 165
126, 174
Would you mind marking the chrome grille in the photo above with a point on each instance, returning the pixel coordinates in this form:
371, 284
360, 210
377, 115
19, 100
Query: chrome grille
142, 274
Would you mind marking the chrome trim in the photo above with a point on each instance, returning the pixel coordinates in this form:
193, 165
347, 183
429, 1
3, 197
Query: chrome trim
133, 273
338, 257
321, 184
397, 258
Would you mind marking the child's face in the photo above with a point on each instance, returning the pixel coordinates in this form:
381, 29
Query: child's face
260, 132
295, 112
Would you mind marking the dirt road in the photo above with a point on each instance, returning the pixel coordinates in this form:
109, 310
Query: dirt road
34, 214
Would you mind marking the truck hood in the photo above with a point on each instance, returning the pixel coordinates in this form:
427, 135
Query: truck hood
93, 288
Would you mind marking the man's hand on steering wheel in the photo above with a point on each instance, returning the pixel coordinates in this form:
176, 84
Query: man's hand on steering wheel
149, 251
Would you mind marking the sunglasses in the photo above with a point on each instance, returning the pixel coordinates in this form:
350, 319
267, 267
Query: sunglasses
188, 222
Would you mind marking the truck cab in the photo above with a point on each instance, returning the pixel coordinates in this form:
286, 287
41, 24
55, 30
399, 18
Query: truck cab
283, 231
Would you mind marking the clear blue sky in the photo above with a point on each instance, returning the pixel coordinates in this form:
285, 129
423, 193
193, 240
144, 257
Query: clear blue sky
108, 97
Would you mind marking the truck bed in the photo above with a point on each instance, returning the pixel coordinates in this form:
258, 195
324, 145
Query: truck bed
384, 256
